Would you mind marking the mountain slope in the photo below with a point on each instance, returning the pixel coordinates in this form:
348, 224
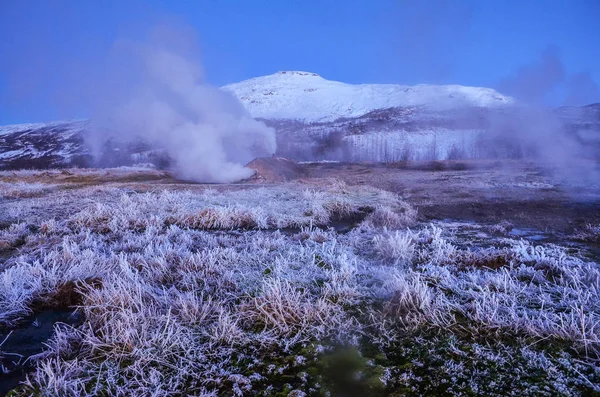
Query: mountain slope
309, 97
43, 145
387, 135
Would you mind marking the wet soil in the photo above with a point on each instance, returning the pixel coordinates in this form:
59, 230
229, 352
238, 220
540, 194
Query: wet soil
483, 192
548, 215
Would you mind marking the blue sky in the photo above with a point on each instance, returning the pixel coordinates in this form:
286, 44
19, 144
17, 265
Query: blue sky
47, 45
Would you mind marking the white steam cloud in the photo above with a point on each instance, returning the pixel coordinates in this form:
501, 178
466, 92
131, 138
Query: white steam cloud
541, 133
154, 90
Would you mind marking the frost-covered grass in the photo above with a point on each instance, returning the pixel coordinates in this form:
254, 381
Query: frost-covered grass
25, 182
123, 170
591, 233
249, 292
290, 206
537, 291
24, 189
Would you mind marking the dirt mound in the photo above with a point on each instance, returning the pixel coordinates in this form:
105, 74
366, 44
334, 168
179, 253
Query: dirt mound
275, 169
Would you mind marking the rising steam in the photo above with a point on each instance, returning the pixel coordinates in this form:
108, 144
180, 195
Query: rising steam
154, 90
539, 131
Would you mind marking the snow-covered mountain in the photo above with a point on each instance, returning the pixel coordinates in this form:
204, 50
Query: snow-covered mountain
317, 119
309, 97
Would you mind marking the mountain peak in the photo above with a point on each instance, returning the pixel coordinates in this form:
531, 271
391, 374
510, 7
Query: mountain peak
307, 96
296, 73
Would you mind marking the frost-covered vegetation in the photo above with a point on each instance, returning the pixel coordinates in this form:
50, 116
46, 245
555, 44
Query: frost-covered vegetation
591, 233
257, 291
23, 189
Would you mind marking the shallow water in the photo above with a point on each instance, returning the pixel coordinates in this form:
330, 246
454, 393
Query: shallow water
27, 340
475, 236
528, 234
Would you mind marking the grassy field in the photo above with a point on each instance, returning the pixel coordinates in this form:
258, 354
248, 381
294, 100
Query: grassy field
314, 287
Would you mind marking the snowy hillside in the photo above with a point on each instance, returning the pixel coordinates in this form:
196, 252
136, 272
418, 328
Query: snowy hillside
309, 97
43, 145
63, 144
394, 134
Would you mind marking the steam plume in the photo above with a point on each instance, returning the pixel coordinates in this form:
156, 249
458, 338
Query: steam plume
532, 82
582, 89
538, 131
157, 92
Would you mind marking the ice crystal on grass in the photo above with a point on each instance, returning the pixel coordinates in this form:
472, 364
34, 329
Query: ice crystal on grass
198, 292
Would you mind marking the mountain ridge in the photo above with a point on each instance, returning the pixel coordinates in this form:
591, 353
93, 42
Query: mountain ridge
309, 97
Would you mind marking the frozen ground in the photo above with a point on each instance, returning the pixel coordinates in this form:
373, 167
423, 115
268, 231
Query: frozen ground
427, 279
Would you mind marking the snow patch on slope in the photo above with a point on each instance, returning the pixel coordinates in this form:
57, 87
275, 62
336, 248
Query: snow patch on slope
67, 126
309, 97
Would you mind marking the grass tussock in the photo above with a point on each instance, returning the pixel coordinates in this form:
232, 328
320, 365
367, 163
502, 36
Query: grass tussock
264, 208
198, 293
591, 234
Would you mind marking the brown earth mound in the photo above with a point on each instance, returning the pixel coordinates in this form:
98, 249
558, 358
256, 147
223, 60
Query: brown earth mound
275, 169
